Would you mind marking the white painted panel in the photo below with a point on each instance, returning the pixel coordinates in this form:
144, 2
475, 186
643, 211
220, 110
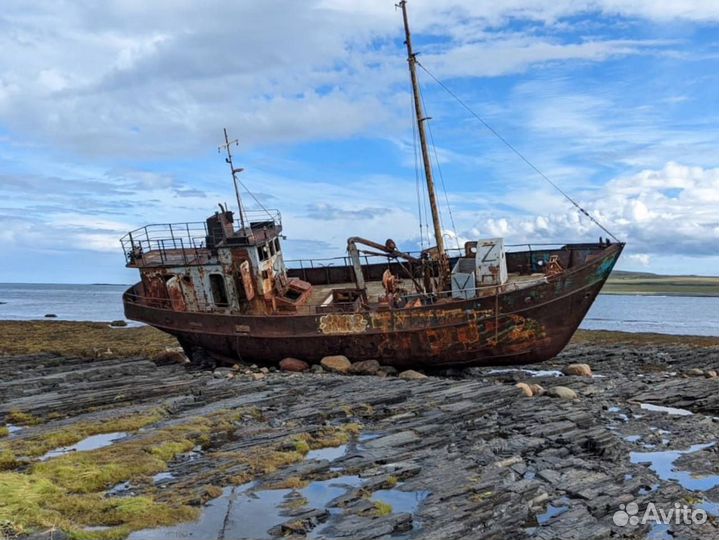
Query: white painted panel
491, 262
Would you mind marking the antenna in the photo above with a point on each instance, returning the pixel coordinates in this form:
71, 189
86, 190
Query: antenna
234, 171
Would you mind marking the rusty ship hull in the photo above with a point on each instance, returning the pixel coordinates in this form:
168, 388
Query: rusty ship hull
513, 327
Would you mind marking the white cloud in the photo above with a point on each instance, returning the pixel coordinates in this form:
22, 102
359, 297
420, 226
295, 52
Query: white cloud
161, 78
642, 258
657, 212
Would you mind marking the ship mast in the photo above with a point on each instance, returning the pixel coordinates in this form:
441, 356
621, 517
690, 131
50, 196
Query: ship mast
421, 118
234, 171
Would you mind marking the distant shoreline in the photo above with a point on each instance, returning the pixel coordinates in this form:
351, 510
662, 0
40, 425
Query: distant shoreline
661, 293
643, 284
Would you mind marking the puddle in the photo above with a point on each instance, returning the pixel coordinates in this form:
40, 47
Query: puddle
530, 372
12, 429
710, 507
163, 477
123, 488
246, 512
401, 501
659, 531
662, 463
553, 511
617, 411
330, 454
90, 443
647, 490
364, 437
545, 517
669, 410
632, 438
241, 512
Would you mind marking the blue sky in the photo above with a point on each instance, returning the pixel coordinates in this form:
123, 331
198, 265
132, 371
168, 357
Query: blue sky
111, 113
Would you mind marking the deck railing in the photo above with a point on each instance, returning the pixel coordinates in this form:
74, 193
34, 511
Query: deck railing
165, 242
182, 243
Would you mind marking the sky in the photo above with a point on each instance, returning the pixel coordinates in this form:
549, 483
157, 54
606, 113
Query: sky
111, 114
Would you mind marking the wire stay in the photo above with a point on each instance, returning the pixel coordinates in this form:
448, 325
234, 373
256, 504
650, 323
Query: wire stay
517, 152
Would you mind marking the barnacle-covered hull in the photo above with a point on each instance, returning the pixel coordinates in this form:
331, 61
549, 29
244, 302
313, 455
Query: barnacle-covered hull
510, 326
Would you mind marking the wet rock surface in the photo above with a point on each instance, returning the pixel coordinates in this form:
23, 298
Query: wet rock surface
459, 454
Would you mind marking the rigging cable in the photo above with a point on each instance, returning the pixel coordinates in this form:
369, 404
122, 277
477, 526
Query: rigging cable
256, 200
517, 152
439, 170
417, 183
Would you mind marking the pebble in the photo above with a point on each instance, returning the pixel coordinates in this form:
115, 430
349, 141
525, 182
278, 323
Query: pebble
365, 367
524, 387
294, 364
336, 364
580, 370
562, 392
412, 375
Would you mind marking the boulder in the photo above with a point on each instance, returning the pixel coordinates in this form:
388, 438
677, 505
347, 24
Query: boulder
365, 367
50, 315
294, 364
580, 370
695, 372
537, 390
385, 371
336, 364
317, 369
524, 387
258, 376
412, 375
562, 392
119, 322
170, 356
711, 374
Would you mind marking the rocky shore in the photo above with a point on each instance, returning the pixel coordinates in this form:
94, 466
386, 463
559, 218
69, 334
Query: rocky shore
110, 447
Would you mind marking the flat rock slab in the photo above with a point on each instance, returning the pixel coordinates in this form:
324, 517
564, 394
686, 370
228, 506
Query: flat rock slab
463, 456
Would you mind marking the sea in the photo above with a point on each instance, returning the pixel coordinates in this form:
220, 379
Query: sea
682, 315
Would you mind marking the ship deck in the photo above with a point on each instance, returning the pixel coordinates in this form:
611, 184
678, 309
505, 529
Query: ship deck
322, 294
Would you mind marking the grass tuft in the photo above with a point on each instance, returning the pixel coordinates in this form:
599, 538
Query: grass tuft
22, 419
382, 508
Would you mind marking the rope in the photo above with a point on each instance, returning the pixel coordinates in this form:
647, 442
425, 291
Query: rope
517, 152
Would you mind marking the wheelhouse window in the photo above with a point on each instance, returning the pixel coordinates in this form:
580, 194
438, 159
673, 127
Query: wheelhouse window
219, 292
263, 251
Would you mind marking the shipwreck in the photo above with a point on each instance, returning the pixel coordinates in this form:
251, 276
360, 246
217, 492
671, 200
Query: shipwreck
224, 288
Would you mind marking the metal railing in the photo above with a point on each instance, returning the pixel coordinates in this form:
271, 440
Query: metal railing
165, 243
183, 243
